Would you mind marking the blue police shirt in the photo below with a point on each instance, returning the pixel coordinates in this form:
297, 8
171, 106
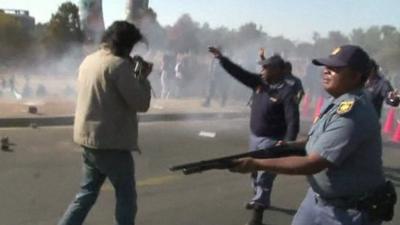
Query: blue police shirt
347, 134
378, 89
274, 109
294, 81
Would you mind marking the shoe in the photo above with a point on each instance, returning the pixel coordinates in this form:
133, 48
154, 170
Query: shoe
249, 205
254, 205
257, 217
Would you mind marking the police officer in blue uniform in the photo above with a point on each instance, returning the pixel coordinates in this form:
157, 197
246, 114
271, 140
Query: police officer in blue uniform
379, 89
291, 79
274, 117
343, 164
294, 80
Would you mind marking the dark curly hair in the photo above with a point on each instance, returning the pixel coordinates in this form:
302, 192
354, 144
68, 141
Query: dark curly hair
120, 38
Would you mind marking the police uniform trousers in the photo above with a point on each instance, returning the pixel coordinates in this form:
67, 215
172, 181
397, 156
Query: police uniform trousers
314, 211
261, 180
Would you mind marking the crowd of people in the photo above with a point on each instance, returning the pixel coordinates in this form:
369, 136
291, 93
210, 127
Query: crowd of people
343, 163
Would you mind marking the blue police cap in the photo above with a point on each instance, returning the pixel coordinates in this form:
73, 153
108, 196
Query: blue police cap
346, 56
273, 61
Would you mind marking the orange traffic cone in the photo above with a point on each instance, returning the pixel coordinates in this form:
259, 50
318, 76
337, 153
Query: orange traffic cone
396, 135
305, 109
388, 126
318, 106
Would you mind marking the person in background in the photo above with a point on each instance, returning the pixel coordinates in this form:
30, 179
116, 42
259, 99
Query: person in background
180, 73
289, 77
379, 89
292, 79
274, 117
167, 76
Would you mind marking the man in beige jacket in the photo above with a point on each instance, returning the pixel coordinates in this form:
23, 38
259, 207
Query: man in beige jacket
110, 93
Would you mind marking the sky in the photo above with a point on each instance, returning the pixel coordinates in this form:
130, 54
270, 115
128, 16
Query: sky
294, 19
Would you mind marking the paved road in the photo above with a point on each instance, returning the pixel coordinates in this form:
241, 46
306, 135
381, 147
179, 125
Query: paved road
40, 177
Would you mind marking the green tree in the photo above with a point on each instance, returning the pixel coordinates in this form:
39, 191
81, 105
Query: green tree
382, 43
15, 41
305, 50
63, 30
323, 46
336, 39
389, 53
182, 35
357, 36
281, 45
373, 40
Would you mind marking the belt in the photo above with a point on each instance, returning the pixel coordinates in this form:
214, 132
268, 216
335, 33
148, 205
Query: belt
343, 203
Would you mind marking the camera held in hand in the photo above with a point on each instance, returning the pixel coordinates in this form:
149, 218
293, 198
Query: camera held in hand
142, 68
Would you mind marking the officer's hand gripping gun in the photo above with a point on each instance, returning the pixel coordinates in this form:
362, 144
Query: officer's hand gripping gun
228, 161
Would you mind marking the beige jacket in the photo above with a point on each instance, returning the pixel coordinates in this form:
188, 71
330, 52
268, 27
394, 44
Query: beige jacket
108, 98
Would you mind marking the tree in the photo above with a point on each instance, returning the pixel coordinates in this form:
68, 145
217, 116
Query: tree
389, 53
152, 30
183, 35
64, 30
281, 45
323, 46
373, 40
15, 41
305, 50
357, 36
336, 39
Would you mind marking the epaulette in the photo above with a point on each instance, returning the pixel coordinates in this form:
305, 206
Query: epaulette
290, 82
345, 107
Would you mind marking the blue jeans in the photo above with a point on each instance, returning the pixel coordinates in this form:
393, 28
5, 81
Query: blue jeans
262, 181
118, 167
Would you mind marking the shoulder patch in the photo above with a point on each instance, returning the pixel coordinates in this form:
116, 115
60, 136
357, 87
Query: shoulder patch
345, 107
336, 51
290, 82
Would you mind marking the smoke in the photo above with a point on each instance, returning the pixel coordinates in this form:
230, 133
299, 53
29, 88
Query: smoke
186, 41
44, 78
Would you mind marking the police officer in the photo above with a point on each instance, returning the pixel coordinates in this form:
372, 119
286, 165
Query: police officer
291, 79
274, 117
379, 89
344, 148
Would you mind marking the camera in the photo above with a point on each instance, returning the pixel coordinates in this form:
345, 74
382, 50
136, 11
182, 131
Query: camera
142, 68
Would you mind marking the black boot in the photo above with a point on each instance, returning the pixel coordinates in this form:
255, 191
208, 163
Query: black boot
257, 216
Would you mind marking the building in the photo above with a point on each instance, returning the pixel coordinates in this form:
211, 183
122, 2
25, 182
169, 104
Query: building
92, 21
22, 16
135, 10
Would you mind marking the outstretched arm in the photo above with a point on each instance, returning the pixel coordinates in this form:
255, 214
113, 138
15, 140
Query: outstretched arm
261, 53
251, 80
